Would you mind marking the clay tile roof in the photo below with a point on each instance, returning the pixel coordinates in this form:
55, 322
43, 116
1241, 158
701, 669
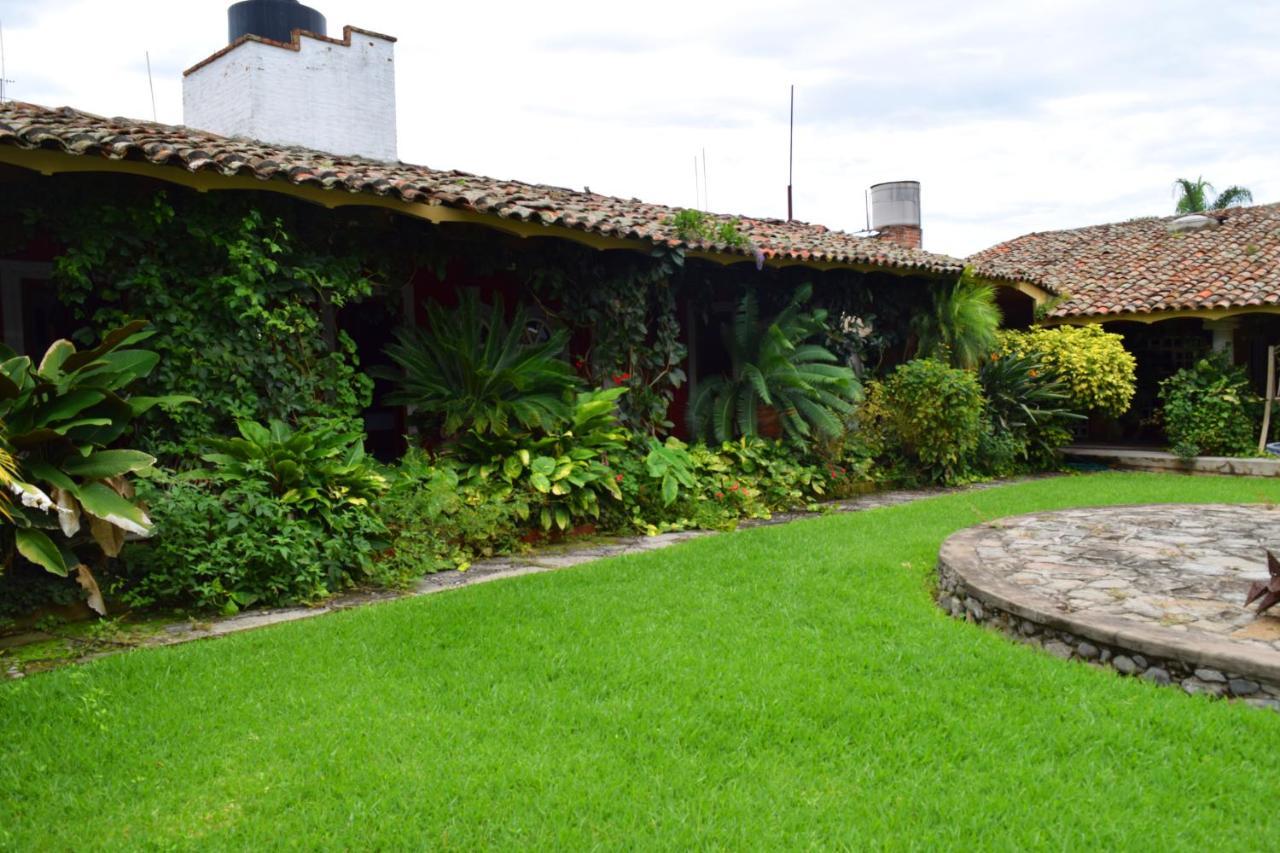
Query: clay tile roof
1142, 267
74, 132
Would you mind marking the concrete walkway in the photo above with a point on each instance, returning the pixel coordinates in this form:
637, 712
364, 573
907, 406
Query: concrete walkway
483, 571
1153, 459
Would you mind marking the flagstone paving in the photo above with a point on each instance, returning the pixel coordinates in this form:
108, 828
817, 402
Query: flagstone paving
1166, 584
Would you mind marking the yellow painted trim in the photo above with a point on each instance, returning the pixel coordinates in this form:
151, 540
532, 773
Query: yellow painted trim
49, 162
1156, 317
55, 162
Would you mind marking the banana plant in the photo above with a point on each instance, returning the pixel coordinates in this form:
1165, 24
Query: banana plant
72, 491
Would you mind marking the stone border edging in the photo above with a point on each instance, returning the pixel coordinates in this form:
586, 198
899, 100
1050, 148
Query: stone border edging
967, 591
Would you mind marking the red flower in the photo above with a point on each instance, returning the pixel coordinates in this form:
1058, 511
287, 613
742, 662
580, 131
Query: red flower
618, 478
626, 376
720, 495
734, 487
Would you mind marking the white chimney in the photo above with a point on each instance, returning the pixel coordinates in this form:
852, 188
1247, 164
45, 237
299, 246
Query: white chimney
333, 95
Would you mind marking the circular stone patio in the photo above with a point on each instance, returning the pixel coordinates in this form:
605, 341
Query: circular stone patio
1153, 591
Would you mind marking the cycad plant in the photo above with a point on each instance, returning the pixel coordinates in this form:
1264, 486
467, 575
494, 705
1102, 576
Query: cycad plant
470, 369
772, 365
960, 326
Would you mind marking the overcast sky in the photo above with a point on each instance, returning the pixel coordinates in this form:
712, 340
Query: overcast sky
1014, 116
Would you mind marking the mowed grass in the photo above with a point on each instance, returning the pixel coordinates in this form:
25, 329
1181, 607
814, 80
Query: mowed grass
782, 687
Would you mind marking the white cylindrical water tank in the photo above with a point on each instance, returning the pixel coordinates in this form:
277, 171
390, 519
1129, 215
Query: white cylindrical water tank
895, 203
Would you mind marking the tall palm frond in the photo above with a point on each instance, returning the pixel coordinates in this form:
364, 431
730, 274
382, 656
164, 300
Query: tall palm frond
1192, 196
1233, 196
1198, 196
961, 324
470, 369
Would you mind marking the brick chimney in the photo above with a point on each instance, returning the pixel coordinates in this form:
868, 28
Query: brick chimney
895, 213
333, 95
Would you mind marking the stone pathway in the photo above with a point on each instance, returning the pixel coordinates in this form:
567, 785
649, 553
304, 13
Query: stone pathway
1155, 590
482, 571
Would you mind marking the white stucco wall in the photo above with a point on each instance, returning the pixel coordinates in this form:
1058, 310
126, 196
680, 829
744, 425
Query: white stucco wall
327, 96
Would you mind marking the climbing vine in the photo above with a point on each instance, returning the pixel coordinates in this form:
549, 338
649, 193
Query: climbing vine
242, 294
628, 309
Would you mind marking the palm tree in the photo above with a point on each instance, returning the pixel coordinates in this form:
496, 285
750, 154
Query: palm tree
960, 326
1198, 196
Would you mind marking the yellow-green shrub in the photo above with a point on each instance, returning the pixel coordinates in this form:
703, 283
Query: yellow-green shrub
1093, 365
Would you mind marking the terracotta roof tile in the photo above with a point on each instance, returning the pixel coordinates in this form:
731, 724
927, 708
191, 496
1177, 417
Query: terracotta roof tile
1141, 267
74, 132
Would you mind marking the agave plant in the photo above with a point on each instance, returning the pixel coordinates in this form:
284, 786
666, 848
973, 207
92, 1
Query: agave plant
470, 369
960, 326
60, 419
773, 366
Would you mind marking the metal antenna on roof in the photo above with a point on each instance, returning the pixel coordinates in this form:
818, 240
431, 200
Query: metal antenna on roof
152, 85
697, 188
791, 150
4, 78
706, 199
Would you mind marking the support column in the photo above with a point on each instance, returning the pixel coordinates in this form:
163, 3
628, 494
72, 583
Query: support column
1224, 333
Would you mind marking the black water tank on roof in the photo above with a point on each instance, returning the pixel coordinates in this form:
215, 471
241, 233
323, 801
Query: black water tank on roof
272, 19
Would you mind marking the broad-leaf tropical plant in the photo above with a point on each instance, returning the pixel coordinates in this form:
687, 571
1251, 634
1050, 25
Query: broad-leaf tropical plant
61, 418
472, 369
319, 469
772, 365
1199, 195
559, 473
961, 323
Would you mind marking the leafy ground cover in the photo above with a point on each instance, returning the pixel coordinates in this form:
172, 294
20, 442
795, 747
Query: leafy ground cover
779, 687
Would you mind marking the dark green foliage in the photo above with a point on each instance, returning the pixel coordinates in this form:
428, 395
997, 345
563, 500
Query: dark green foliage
60, 417
773, 366
960, 326
242, 290
1209, 409
437, 524
625, 305
934, 418
229, 546
282, 517
471, 370
1029, 410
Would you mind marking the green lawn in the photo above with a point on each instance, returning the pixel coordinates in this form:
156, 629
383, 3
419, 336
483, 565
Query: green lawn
781, 687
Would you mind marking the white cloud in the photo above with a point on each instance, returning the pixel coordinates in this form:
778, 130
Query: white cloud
1015, 117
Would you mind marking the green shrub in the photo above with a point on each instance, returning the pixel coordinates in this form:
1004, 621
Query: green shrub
934, 417
437, 524
283, 517
229, 547
1208, 409
471, 370
1093, 365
